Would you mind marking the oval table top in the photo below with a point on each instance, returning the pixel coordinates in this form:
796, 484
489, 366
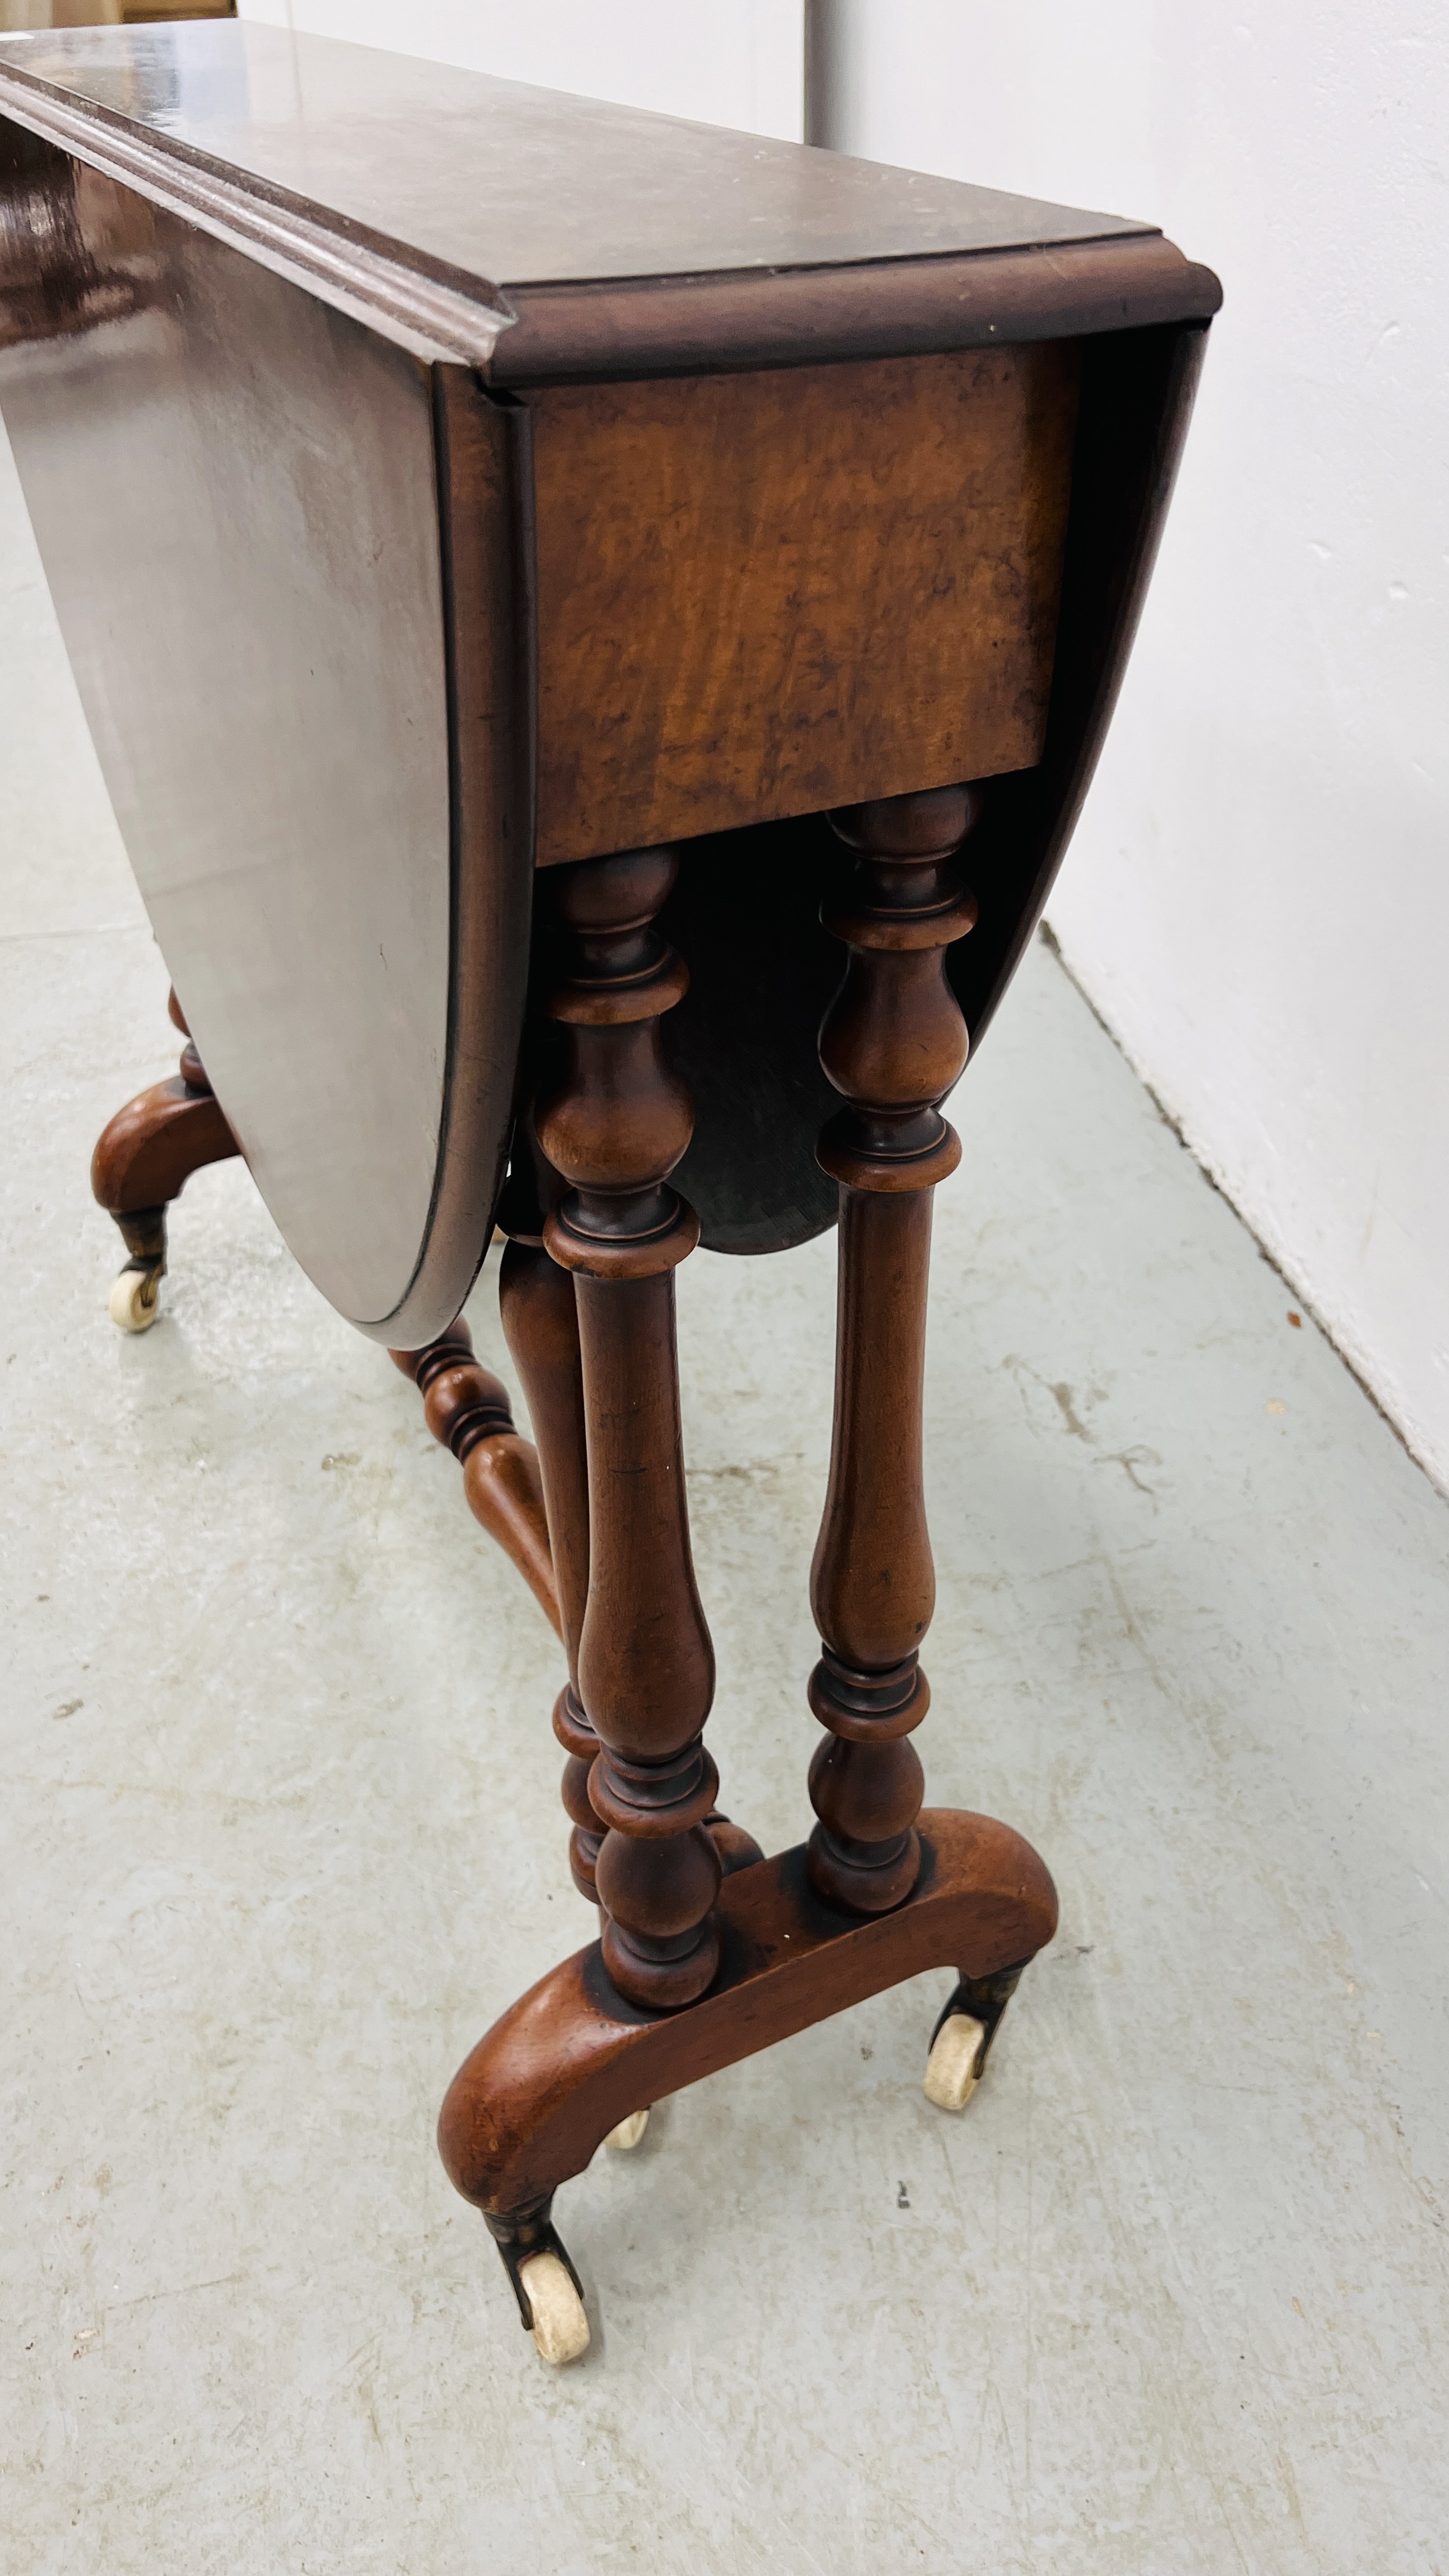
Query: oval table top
281, 323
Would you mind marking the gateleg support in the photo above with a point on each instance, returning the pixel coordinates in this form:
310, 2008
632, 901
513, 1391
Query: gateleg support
466, 1408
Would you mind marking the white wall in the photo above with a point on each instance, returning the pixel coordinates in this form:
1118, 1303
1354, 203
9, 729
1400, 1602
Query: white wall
736, 62
1258, 896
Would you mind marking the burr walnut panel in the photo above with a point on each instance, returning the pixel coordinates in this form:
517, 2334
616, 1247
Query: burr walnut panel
766, 594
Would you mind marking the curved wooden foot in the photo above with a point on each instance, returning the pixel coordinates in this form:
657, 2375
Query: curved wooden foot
151, 1147
572, 2059
143, 1160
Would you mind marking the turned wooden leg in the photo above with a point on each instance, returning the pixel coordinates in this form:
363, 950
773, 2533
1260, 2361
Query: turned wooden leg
614, 1122
540, 1319
142, 1161
541, 1324
892, 1042
884, 1888
466, 1407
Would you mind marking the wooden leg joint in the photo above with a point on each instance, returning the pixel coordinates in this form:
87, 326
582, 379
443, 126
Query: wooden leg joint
573, 2057
652, 1799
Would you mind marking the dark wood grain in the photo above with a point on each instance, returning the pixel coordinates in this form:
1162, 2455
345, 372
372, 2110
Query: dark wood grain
769, 594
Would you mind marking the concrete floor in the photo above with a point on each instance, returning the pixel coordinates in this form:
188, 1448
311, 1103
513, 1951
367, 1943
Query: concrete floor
281, 1837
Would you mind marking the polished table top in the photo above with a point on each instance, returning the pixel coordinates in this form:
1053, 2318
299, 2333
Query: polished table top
813, 482
511, 185
542, 236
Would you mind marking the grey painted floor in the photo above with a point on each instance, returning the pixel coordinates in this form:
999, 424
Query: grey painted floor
281, 1837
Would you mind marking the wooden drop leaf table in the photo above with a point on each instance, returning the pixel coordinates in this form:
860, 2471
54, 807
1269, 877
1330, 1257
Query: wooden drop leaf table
597, 630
